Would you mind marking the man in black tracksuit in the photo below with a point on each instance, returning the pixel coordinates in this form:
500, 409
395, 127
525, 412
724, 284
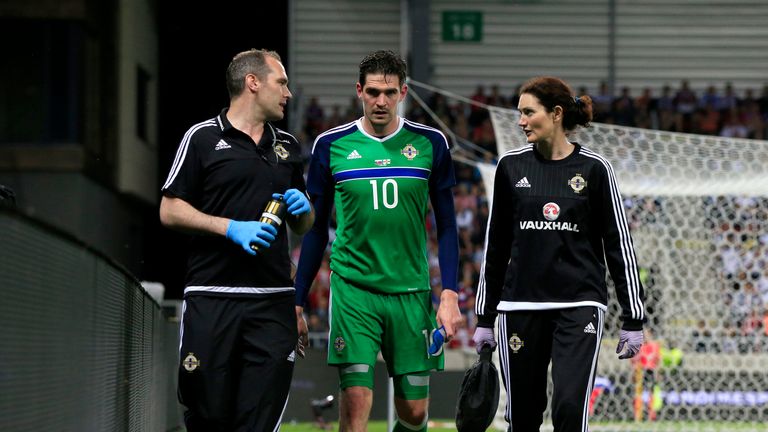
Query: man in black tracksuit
556, 220
239, 329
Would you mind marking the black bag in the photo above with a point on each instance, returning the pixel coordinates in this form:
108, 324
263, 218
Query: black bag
478, 395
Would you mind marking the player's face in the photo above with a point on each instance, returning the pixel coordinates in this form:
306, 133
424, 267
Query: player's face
380, 96
537, 124
273, 92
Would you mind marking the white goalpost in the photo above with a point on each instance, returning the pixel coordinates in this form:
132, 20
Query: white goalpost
698, 212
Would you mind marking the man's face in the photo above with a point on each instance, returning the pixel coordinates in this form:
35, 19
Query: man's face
380, 96
273, 92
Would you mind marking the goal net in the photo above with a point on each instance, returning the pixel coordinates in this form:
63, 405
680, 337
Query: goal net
698, 212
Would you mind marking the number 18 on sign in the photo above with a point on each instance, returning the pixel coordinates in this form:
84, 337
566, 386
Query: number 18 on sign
462, 26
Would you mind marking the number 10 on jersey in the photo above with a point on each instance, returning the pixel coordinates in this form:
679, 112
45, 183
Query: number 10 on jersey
388, 193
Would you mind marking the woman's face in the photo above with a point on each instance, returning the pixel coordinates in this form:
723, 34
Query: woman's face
537, 124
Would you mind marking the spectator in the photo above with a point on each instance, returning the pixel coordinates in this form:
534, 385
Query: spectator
729, 101
478, 114
623, 109
314, 119
685, 105
335, 119
602, 103
733, 126
710, 97
665, 110
644, 107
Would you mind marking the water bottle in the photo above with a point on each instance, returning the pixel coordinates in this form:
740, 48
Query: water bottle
438, 337
273, 214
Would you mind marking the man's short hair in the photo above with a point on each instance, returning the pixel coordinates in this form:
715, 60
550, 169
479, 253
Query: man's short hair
253, 61
385, 62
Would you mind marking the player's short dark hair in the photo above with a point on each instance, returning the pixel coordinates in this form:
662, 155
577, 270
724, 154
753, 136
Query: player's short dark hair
253, 61
385, 62
552, 91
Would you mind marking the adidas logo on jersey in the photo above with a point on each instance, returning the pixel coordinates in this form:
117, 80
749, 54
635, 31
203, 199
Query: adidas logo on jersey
354, 155
523, 183
222, 145
590, 329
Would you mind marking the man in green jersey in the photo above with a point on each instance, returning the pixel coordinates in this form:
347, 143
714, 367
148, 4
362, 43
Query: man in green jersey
381, 171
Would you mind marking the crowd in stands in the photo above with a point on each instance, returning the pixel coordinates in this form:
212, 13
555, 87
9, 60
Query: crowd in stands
742, 261
710, 112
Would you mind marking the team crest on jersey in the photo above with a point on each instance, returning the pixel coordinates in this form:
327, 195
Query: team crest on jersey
383, 162
409, 151
190, 362
339, 344
281, 152
577, 183
515, 343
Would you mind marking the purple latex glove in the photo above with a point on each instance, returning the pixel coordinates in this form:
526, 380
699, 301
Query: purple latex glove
633, 339
483, 336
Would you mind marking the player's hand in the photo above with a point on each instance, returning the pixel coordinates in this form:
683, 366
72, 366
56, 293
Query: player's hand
297, 202
301, 324
484, 336
448, 314
245, 233
633, 339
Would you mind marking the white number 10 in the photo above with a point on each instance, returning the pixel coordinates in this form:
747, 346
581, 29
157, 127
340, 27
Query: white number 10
388, 190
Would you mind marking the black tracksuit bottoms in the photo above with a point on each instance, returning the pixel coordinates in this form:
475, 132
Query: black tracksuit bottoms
236, 361
528, 341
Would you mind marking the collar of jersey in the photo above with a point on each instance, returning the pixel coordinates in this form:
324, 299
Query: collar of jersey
400, 123
267, 138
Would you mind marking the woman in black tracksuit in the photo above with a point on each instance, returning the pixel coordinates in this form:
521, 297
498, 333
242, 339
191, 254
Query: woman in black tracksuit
556, 221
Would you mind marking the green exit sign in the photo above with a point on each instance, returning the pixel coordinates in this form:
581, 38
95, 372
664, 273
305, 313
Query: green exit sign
462, 26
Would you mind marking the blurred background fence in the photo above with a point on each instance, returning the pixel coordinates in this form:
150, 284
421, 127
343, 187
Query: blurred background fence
83, 347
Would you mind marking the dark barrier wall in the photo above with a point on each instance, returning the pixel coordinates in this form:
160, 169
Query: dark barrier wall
82, 346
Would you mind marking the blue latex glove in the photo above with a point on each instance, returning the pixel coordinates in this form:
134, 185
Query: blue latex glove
633, 339
483, 336
245, 233
297, 202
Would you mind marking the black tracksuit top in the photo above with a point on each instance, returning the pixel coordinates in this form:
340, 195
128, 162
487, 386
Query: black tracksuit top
553, 226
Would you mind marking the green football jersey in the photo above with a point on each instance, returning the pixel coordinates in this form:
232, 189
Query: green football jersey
380, 187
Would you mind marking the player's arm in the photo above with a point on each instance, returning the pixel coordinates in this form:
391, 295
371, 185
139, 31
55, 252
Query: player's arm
498, 239
441, 181
320, 187
184, 182
301, 214
448, 313
312, 250
183, 186
177, 214
620, 251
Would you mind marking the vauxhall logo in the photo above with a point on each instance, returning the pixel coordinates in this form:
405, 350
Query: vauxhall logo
549, 226
551, 212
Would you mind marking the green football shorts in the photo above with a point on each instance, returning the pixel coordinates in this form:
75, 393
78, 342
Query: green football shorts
399, 325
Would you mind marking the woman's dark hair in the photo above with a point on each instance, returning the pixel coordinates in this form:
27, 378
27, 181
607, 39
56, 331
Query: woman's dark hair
552, 91
384, 62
